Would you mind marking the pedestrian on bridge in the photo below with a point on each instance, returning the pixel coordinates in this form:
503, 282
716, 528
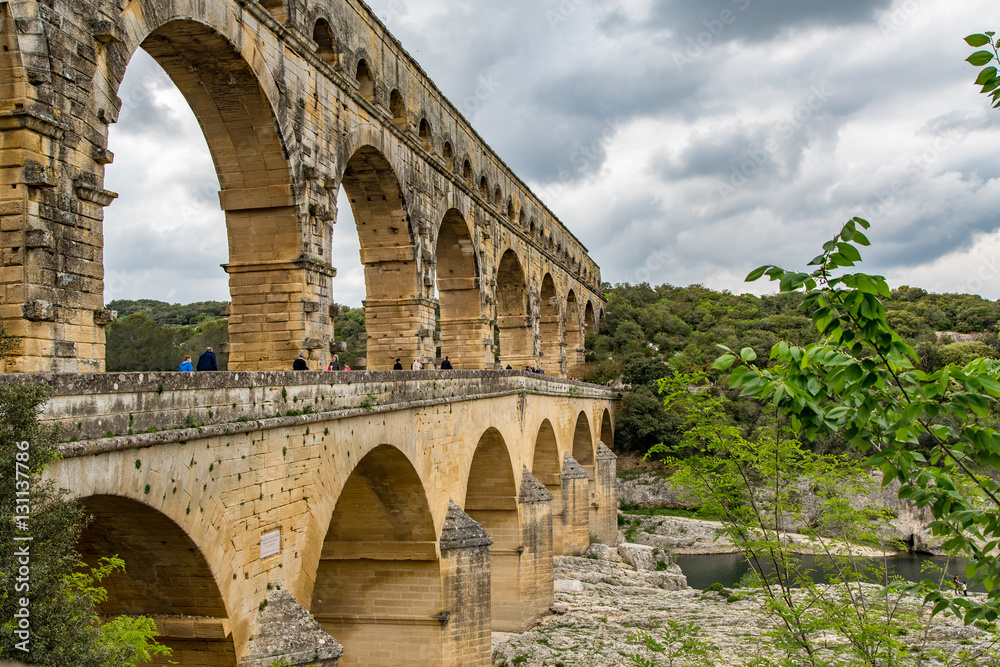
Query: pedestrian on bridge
398, 366
300, 363
416, 365
186, 365
206, 362
446, 364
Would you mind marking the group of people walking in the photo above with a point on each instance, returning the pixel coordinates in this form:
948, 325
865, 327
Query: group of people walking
206, 362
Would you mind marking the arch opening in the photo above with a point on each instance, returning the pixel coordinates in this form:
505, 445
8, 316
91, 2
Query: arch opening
546, 466
244, 137
574, 335
397, 108
398, 319
583, 443
166, 577
378, 583
491, 499
426, 137
550, 329
325, 46
515, 336
366, 82
463, 327
467, 173
607, 430
449, 156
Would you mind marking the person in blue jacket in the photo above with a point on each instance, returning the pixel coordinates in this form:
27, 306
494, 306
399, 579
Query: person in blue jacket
206, 362
186, 365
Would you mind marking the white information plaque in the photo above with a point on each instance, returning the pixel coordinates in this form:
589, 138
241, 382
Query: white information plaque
270, 544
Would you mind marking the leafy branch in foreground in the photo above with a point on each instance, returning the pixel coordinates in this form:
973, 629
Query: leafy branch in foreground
988, 75
931, 432
767, 486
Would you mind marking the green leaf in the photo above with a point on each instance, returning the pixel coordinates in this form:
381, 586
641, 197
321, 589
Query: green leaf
986, 75
977, 40
849, 251
724, 362
980, 58
747, 354
756, 274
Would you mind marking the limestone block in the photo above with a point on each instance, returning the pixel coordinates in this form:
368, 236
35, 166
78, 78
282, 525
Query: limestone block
603, 552
569, 586
639, 556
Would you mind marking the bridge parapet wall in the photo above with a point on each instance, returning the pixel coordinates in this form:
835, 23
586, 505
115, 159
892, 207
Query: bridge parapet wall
89, 406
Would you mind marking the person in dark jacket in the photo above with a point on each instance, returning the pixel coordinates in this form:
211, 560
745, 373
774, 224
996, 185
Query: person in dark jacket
300, 363
206, 362
446, 364
398, 366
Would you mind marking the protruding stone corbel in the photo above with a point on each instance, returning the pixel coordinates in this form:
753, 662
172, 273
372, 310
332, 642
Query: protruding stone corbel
39, 311
103, 318
104, 31
38, 175
102, 155
87, 189
312, 343
338, 347
39, 238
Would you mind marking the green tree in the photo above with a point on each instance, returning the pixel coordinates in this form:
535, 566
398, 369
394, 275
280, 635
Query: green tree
919, 428
43, 575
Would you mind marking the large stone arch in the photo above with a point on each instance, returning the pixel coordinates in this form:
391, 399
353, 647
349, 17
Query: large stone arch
583, 441
378, 585
237, 102
166, 577
550, 328
513, 315
399, 317
607, 430
546, 466
574, 334
590, 322
491, 499
465, 334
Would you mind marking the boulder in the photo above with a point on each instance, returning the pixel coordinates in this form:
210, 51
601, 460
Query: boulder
638, 556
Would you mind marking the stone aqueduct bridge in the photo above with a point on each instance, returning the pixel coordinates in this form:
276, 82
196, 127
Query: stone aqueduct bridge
354, 493
296, 99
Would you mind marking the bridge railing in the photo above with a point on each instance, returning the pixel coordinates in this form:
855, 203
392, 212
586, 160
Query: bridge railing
94, 406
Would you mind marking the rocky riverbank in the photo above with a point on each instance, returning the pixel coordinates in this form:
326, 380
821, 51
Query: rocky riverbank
600, 603
906, 528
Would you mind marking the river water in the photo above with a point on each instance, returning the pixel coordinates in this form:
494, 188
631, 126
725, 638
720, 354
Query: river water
704, 570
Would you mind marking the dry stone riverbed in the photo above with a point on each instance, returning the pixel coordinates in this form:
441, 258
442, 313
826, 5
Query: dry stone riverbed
602, 599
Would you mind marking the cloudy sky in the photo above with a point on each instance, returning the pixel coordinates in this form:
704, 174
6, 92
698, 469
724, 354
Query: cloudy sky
682, 141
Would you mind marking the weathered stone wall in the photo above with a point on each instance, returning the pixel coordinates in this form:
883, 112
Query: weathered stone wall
347, 509
296, 100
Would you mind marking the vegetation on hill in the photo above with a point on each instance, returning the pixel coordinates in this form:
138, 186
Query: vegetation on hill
648, 332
